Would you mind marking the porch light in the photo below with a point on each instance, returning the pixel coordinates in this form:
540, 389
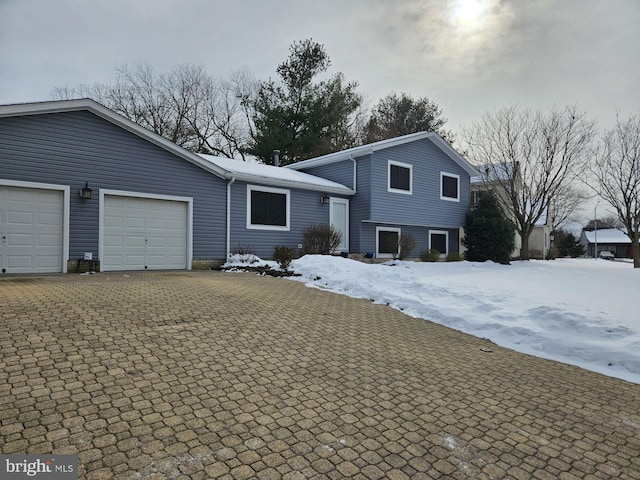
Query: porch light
324, 199
85, 193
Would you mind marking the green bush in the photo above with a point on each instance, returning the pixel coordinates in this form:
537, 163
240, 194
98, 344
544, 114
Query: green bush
320, 239
489, 234
432, 255
283, 255
454, 257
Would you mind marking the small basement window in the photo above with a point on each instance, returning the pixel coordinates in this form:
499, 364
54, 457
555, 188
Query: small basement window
387, 242
439, 240
267, 208
400, 177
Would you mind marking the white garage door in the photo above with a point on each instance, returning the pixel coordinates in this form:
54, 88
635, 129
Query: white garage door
31, 230
144, 233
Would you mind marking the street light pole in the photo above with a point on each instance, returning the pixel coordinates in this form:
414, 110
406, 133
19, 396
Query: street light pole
595, 230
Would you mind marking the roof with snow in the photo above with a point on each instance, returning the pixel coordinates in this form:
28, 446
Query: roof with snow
277, 176
369, 148
606, 235
493, 172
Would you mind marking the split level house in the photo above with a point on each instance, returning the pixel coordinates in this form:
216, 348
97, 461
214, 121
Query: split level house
79, 181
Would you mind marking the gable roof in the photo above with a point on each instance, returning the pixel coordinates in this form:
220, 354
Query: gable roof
89, 105
606, 235
278, 176
353, 153
222, 167
493, 172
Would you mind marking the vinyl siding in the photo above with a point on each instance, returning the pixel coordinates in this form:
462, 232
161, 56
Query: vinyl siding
71, 148
306, 209
423, 206
340, 172
421, 235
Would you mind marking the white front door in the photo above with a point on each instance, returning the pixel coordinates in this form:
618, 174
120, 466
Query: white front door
339, 215
31, 230
144, 233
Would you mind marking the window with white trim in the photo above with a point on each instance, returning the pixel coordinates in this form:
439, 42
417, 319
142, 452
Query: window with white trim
400, 177
267, 208
387, 242
449, 187
439, 240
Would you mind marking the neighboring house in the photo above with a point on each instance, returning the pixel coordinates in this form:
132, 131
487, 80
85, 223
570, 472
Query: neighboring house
493, 179
152, 205
608, 239
415, 184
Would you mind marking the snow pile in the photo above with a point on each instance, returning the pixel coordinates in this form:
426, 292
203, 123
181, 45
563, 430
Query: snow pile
577, 311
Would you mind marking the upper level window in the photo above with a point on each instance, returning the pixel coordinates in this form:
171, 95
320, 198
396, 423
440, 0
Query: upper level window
449, 186
400, 177
267, 208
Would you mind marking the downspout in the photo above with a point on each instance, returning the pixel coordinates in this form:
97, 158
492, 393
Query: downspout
355, 171
229, 183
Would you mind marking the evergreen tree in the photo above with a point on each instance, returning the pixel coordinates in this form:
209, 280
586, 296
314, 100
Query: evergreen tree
567, 244
489, 234
300, 117
397, 115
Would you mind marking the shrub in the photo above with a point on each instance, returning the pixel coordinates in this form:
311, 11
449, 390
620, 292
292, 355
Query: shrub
320, 239
283, 255
454, 257
245, 253
432, 255
407, 244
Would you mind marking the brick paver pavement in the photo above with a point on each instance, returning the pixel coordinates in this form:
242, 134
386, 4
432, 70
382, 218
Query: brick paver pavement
208, 375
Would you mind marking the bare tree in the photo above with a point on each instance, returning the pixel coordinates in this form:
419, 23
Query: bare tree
186, 106
616, 169
565, 206
528, 158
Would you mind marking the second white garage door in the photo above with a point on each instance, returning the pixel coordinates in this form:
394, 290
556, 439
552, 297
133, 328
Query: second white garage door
144, 233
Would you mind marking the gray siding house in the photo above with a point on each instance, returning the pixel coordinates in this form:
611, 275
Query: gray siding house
414, 184
78, 181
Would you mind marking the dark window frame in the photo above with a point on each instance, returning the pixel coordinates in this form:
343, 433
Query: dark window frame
259, 206
402, 184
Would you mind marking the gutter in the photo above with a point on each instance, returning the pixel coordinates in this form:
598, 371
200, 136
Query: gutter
355, 172
228, 242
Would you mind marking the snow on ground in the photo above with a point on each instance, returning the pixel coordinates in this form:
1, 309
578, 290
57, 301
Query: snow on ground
578, 311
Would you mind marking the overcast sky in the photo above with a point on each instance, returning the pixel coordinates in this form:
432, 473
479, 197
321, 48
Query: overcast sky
469, 56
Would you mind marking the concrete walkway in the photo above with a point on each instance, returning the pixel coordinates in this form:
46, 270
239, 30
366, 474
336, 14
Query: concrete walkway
197, 375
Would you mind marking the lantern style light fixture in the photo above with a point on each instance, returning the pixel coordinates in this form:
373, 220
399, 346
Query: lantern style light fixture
85, 193
324, 199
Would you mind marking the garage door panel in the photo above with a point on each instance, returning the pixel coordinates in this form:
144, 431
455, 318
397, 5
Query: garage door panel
31, 220
152, 234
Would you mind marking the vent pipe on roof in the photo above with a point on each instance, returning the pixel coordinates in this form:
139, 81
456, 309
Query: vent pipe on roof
276, 158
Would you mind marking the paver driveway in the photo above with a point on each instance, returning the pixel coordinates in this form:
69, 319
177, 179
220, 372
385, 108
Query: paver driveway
211, 375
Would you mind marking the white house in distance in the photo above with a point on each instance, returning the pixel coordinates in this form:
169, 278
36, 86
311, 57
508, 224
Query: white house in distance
540, 238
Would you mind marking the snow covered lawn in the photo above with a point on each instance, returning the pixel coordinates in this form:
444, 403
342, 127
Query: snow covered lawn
578, 311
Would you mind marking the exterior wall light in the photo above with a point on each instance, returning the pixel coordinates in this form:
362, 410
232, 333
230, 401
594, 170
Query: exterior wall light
324, 199
85, 193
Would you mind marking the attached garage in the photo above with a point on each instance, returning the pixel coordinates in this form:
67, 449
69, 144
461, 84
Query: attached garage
32, 228
140, 232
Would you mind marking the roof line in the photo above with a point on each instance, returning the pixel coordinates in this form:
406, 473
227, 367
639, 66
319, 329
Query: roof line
88, 104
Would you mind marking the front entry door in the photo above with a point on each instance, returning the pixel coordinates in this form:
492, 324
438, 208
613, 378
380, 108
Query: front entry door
339, 215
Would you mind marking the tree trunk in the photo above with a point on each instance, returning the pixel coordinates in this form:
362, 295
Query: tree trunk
635, 245
524, 248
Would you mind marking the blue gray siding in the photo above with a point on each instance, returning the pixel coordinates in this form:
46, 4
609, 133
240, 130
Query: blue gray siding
423, 206
421, 235
306, 209
339, 172
71, 148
